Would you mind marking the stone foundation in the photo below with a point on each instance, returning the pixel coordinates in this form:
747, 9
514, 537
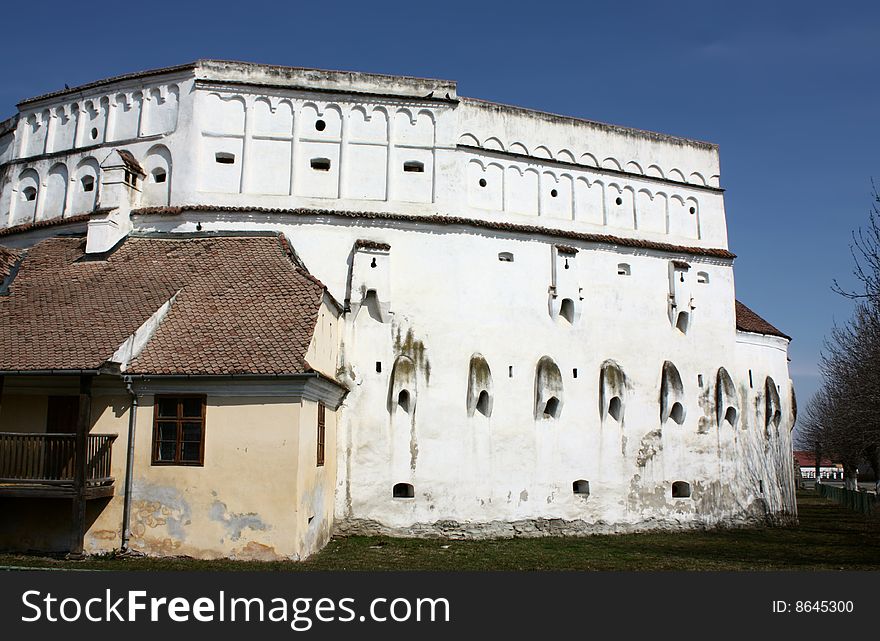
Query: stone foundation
537, 528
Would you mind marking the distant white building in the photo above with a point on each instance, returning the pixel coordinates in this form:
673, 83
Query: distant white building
828, 470
537, 329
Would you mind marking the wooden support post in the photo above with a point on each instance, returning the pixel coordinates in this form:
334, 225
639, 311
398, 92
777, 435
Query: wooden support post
78, 524
2, 381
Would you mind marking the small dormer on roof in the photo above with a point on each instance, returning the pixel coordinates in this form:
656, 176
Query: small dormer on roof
121, 167
129, 160
121, 179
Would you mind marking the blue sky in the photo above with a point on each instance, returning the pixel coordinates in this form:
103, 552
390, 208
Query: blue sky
788, 90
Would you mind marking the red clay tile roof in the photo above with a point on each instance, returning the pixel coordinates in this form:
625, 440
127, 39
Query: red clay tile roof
130, 161
808, 459
8, 259
49, 222
437, 219
243, 307
749, 321
363, 243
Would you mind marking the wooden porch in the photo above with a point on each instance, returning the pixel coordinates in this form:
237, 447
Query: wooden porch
43, 465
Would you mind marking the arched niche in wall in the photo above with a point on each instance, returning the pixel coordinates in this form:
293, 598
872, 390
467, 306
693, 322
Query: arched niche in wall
469, 140
273, 118
726, 401
772, 406
221, 144
620, 206
126, 111
412, 141
612, 392
65, 127
683, 217
589, 201
556, 195
369, 280
269, 154
521, 189
223, 114
317, 168
493, 143
321, 122
85, 186
56, 192
37, 125
157, 184
414, 128
565, 292
681, 298
480, 396
402, 389
485, 185
589, 159
548, 389
671, 395
366, 157
160, 107
94, 112
368, 125
794, 406
651, 211
26, 196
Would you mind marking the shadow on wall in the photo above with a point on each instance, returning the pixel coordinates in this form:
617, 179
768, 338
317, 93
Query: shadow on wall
44, 525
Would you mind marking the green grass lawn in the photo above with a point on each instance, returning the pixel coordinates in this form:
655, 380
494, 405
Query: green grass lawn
827, 538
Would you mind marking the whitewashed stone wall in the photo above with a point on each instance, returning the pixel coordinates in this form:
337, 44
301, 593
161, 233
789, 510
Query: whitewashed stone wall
443, 296
502, 382
387, 147
54, 152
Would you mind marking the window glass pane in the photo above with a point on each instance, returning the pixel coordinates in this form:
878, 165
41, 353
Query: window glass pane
190, 452
167, 431
192, 406
167, 407
192, 432
166, 450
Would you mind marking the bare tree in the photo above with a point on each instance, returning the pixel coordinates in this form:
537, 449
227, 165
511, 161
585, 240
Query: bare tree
865, 250
811, 429
843, 420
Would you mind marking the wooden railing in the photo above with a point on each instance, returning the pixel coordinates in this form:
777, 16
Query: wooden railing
49, 459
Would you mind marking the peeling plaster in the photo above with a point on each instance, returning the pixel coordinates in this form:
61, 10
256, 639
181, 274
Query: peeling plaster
651, 444
158, 505
234, 523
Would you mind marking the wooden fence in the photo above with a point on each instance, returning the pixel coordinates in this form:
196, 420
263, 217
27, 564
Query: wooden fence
863, 502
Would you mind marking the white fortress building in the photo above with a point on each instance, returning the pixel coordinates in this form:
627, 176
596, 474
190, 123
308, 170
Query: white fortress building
505, 323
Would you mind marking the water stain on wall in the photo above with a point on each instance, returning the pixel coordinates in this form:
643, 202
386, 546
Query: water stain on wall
415, 349
154, 506
650, 445
234, 522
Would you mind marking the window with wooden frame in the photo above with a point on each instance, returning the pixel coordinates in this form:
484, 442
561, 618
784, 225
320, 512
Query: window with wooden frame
321, 433
179, 430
